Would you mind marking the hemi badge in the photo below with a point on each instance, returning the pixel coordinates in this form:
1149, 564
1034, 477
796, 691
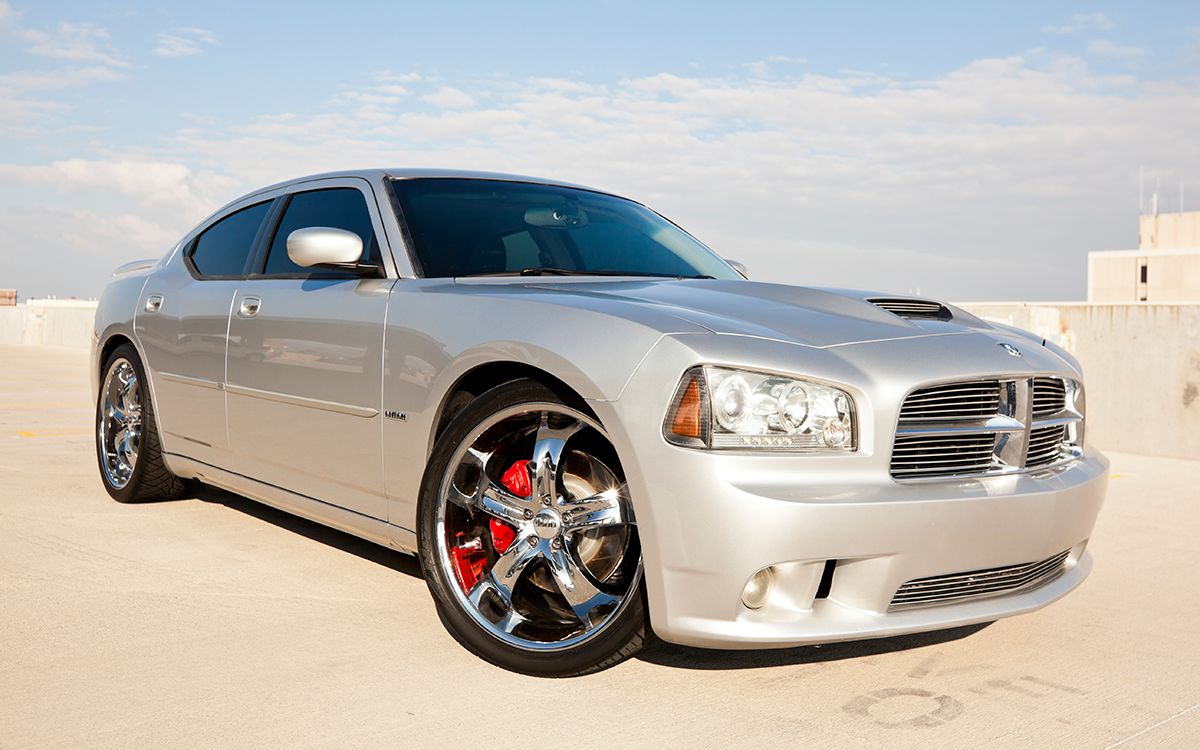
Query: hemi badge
397, 415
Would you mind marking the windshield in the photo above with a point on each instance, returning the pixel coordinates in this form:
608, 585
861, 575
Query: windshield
464, 227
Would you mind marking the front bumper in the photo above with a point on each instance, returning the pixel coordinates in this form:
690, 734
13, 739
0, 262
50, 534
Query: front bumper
709, 520
881, 537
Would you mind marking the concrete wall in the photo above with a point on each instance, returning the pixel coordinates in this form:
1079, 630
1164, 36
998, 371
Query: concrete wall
1141, 365
48, 322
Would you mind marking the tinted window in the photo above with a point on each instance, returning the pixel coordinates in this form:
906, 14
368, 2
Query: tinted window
224, 247
339, 208
479, 227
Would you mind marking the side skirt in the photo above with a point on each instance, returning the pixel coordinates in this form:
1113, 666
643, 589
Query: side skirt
371, 529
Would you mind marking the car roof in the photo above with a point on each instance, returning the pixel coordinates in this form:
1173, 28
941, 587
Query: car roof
404, 173
417, 173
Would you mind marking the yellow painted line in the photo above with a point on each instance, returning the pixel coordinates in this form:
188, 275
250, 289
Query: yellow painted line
64, 432
1117, 476
45, 404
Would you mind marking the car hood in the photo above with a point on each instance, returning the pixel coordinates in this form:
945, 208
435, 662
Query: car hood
803, 315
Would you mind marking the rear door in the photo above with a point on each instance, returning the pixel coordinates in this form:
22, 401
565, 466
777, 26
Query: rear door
304, 367
181, 325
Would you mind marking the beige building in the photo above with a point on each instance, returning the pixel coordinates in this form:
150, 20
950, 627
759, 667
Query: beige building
1164, 268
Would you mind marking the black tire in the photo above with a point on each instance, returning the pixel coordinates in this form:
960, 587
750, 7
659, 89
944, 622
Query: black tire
547, 583
127, 447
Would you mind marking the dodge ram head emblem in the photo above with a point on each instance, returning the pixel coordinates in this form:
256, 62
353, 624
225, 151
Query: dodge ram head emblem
1011, 349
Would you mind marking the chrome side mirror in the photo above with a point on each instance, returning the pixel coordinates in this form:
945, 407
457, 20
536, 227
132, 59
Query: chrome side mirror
739, 267
326, 247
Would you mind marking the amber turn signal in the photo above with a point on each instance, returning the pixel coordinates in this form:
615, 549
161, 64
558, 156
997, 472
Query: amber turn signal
686, 422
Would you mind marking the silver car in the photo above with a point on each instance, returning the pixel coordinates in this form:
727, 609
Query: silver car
589, 427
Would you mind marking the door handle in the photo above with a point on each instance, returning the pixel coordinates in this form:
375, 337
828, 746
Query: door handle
249, 307
154, 302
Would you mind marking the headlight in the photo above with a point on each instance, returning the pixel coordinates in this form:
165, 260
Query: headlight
718, 407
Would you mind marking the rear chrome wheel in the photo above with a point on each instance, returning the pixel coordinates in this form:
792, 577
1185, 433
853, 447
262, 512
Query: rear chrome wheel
120, 423
127, 445
529, 541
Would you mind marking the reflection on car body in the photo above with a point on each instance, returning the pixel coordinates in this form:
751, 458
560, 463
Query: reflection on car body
589, 427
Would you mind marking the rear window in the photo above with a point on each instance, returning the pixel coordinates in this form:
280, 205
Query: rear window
224, 247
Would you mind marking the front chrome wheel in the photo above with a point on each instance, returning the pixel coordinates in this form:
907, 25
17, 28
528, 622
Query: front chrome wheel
120, 423
534, 539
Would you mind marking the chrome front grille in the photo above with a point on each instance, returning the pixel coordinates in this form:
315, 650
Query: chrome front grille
1049, 396
1044, 445
978, 584
982, 427
952, 401
944, 456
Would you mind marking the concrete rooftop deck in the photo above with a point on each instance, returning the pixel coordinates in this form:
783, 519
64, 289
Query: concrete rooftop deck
216, 622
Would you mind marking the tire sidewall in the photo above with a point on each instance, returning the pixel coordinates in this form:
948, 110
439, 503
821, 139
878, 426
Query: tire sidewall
584, 657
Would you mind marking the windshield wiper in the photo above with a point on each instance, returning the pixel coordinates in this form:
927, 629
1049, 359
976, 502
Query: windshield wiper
547, 271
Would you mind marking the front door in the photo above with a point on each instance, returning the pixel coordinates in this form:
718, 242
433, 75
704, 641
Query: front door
305, 361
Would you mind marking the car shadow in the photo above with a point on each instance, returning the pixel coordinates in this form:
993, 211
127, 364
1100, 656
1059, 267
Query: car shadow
390, 558
685, 657
660, 653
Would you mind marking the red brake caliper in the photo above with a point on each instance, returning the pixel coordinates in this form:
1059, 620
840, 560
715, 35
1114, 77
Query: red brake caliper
468, 556
516, 481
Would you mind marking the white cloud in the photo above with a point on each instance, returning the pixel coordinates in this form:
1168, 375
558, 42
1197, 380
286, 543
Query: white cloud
991, 181
386, 76
183, 42
853, 179
167, 189
77, 43
67, 41
1105, 48
449, 98
18, 109
1081, 21
82, 247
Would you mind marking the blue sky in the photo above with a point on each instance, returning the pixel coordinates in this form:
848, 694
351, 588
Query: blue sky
965, 151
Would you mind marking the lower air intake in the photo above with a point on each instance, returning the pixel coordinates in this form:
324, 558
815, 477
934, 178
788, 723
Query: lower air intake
978, 584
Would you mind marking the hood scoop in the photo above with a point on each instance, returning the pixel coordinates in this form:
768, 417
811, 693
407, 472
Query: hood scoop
913, 309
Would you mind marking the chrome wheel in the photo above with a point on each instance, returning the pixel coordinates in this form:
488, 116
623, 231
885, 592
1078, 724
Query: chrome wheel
120, 423
535, 536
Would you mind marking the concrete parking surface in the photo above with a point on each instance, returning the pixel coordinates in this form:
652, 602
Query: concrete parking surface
216, 622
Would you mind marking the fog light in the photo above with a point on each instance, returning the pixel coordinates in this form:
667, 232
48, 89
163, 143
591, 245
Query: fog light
758, 589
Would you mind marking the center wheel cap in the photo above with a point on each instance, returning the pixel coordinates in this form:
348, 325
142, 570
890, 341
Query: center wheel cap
546, 524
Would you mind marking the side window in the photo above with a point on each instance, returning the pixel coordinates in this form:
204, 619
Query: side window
340, 208
224, 247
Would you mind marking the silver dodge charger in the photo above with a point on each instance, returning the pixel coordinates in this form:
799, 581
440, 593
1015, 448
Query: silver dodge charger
590, 428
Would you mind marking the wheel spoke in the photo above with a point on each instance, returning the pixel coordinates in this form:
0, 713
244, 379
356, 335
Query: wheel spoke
472, 500
581, 594
602, 509
125, 443
501, 579
547, 454
504, 505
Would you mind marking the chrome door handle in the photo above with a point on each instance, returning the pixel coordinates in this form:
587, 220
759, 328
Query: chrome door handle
249, 307
153, 302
